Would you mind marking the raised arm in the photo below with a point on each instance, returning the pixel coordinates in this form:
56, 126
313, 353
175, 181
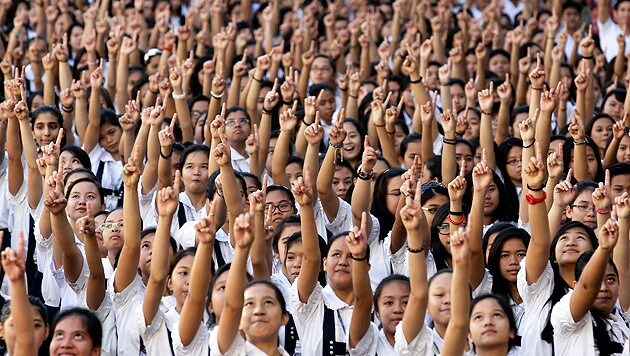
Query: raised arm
576, 129
96, 284
413, 218
455, 337
259, 258
329, 199
14, 266
64, 235
92, 131
303, 191
486, 138
363, 299
482, 178
194, 306
538, 249
235, 285
130, 253
167, 201
621, 255
288, 121
449, 163
361, 198
586, 289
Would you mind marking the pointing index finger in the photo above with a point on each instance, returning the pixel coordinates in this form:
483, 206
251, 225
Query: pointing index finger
59, 137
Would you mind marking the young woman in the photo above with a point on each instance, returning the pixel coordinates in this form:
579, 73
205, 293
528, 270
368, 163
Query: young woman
582, 320
76, 331
113, 235
600, 129
315, 307
23, 322
492, 328
73, 157
504, 262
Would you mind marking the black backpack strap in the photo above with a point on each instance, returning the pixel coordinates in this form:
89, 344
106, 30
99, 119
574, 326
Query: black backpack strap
99, 171
181, 215
330, 346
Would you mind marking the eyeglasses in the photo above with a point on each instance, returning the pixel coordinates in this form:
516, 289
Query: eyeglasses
111, 226
233, 122
584, 208
445, 228
282, 207
321, 69
514, 162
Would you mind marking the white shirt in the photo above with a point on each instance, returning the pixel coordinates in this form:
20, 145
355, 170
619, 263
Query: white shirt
535, 300
185, 237
192, 214
239, 162
400, 259
576, 337
156, 335
6, 214
608, 32
125, 303
374, 342
112, 172
512, 10
282, 282
309, 317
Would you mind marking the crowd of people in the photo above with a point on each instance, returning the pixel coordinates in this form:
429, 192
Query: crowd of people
315, 177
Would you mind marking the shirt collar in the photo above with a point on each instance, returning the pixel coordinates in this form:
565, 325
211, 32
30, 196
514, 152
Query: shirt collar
332, 301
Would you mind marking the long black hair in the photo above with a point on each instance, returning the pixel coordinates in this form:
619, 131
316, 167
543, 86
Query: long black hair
604, 343
379, 201
500, 285
506, 309
560, 287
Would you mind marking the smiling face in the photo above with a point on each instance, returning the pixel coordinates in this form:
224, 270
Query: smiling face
571, 245
352, 143
195, 172
512, 253
180, 278
439, 306
392, 304
338, 266
113, 238
45, 129
489, 325
83, 193
71, 337
262, 314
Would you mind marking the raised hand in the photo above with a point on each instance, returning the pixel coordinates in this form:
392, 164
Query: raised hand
303, 188
337, 134
370, 156
537, 75
217, 127
601, 195
505, 90
412, 214
482, 174
378, 110
486, 99
257, 198
457, 186
564, 192
527, 128
86, 225
622, 206
608, 235
56, 201
534, 171
244, 231
288, 120
588, 44
357, 239
167, 199
549, 99
133, 169
271, 98
51, 151
576, 127
428, 110
555, 165
205, 229
391, 114
459, 245
222, 154
96, 77
167, 136
314, 133
252, 142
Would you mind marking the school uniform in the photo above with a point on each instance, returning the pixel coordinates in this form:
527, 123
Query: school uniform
576, 337
157, 337
400, 258
108, 173
322, 322
124, 304
239, 162
374, 342
537, 307
608, 32
222, 253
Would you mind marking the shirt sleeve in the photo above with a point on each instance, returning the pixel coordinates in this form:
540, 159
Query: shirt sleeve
343, 220
367, 345
420, 345
304, 312
398, 258
539, 290
237, 348
198, 345
562, 320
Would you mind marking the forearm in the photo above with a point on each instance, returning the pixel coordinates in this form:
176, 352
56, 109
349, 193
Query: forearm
159, 268
96, 284
327, 196
279, 160
234, 92
521, 90
122, 74
503, 127
49, 88
64, 236
580, 168
130, 254
360, 323
486, 140
22, 315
